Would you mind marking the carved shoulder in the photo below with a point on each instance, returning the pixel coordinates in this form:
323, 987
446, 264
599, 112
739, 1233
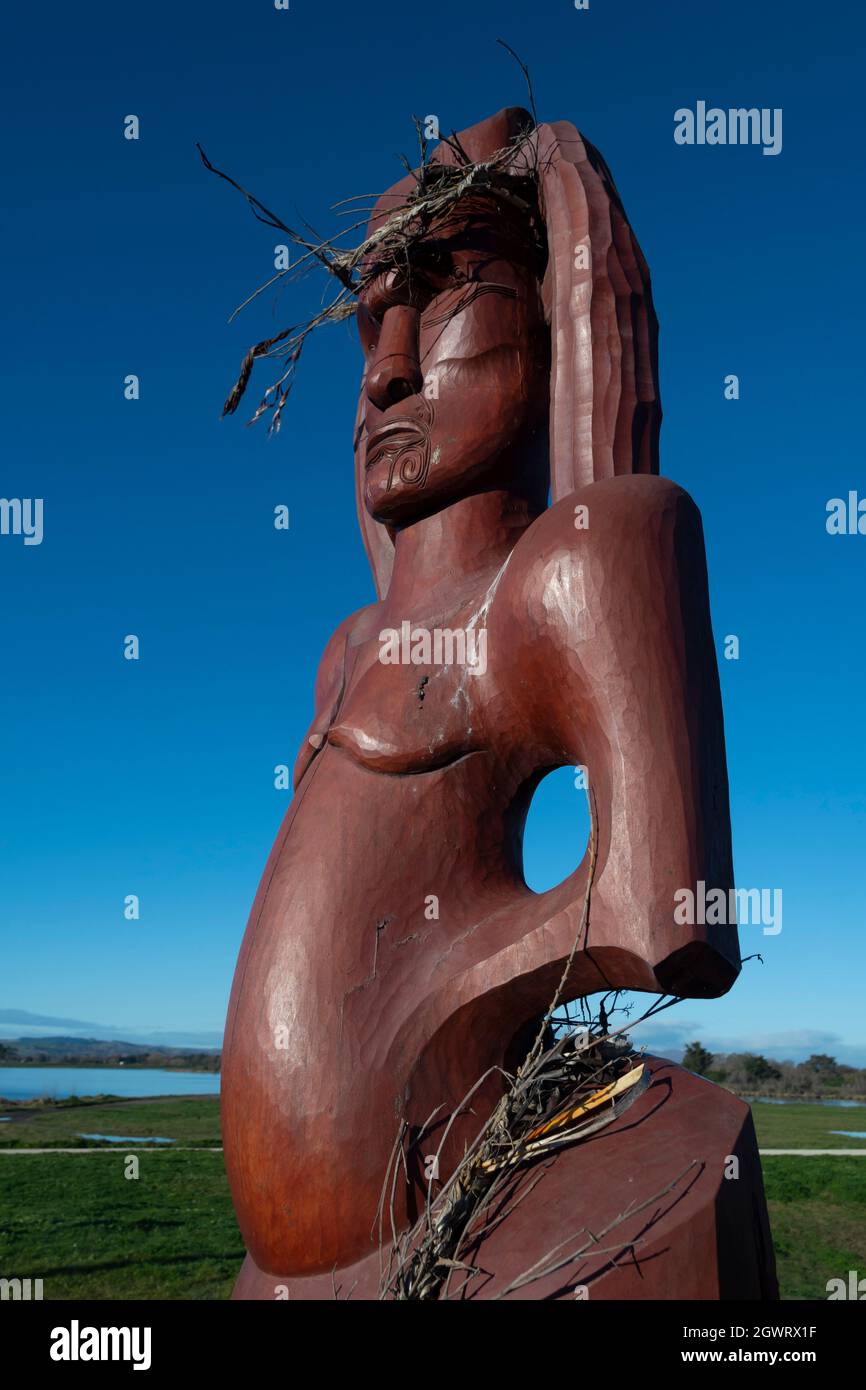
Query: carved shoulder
580, 541
570, 593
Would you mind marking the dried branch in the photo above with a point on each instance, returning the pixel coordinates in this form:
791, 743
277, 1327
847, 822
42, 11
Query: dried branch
509, 176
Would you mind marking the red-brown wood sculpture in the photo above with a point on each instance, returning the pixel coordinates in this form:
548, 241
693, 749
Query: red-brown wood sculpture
394, 951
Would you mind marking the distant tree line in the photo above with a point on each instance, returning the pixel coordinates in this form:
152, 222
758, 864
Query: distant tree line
21, 1053
750, 1073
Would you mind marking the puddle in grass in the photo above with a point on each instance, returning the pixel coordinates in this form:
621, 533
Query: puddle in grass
127, 1138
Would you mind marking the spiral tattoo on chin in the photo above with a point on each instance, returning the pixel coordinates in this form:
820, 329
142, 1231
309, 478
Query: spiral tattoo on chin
410, 452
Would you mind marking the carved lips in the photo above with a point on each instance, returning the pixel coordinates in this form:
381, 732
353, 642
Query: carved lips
406, 443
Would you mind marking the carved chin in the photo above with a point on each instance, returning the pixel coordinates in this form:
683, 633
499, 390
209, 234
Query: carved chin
401, 474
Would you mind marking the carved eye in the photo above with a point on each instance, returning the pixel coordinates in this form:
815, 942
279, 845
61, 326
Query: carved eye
434, 263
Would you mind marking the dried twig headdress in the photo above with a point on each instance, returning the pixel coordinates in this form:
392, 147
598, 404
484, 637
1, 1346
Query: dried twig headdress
605, 411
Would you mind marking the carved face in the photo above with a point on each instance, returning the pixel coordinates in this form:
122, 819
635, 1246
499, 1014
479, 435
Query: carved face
457, 368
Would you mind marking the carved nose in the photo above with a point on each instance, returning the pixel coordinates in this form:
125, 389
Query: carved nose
396, 371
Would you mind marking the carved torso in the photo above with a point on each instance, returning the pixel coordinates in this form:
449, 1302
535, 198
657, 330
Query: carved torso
353, 992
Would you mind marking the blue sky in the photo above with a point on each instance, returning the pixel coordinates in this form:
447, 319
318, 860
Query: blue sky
156, 777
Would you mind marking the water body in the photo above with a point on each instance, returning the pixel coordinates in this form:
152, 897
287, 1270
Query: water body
127, 1139
850, 1133
29, 1083
794, 1100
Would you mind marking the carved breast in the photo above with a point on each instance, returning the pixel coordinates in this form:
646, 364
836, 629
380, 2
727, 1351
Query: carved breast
410, 718
414, 695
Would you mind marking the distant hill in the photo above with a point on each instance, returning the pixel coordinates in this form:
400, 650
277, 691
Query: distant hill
73, 1051
20, 1025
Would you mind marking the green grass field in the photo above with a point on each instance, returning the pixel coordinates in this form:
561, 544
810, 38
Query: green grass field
818, 1220
805, 1126
189, 1120
75, 1220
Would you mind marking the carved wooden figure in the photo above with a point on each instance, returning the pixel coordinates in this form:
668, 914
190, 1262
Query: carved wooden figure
507, 483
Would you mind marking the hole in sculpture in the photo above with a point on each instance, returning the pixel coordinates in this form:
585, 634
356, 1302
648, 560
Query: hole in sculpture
556, 833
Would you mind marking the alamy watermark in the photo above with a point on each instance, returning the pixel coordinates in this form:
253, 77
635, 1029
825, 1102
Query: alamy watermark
755, 907
438, 646
846, 516
20, 1289
854, 1288
22, 516
77, 1343
737, 126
